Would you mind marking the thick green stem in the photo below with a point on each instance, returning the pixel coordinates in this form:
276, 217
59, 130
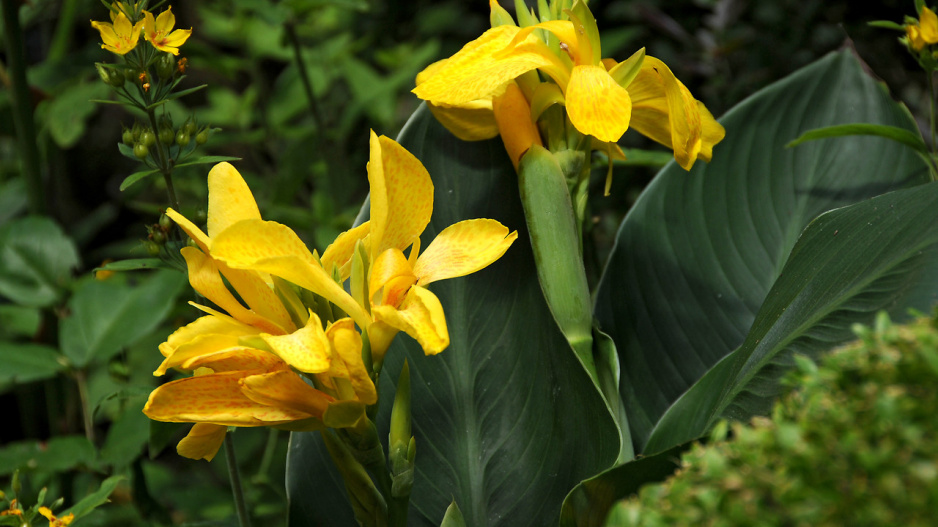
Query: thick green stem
22, 107
234, 474
63, 31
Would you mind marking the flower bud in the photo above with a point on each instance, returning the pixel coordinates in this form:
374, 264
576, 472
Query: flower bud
141, 151
165, 66
147, 137
127, 137
152, 248
191, 127
182, 138
165, 222
167, 135
202, 137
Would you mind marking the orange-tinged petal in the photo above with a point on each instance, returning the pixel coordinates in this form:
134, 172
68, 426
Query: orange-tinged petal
285, 389
401, 195
200, 238
421, 316
205, 278
270, 247
347, 343
306, 349
475, 72
207, 325
258, 295
596, 104
197, 347
229, 199
463, 248
238, 358
202, 442
513, 115
387, 270
216, 398
339, 252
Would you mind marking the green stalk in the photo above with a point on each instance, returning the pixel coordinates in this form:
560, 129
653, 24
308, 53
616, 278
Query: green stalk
243, 519
22, 107
81, 379
63, 31
304, 76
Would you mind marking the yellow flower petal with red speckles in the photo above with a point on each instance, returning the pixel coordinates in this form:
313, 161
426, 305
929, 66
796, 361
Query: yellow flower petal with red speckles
237, 358
159, 31
306, 349
207, 325
401, 195
348, 346
202, 442
120, 36
285, 389
215, 398
200, 238
197, 347
339, 252
596, 104
270, 247
421, 316
463, 248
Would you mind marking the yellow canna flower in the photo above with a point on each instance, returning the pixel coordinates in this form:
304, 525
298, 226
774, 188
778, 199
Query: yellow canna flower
925, 31
159, 31
597, 93
401, 204
120, 36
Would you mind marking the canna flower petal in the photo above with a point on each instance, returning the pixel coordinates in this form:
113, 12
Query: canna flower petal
421, 316
471, 121
214, 398
401, 195
229, 199
270, 247
348, 346
285, 389
159, 31
192, 230
596, 104
202, 442
463, 248
207, 325
339, 252
237, 358
513, 115
197, 347
306, 349
475, 72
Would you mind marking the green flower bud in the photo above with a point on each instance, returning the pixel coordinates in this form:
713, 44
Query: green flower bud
152, 248
158, 236
141, 151
182, 138
167, 135
191, 128
165, 222
202, 137
165, 66
128, 136
147, 137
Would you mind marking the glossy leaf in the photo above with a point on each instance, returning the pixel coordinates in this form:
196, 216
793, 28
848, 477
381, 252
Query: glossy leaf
36, 261
501, 416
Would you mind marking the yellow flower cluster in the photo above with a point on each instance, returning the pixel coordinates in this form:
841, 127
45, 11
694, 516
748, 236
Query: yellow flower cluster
924, 31
121, 35
296, 351
486, 89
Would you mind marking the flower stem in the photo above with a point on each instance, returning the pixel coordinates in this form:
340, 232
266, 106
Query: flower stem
290, 27
82, 380
22, 106
243, 519
165, 167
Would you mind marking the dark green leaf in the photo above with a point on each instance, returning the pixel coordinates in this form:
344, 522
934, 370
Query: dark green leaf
849, 264
36, 261
18, 321
205, 160
24, 363
132, 265
887, 24
127, 151
501, 418
135, 177
95, 499
699, 251
56, 455
68, 111
912, 139
108, 315
127, 435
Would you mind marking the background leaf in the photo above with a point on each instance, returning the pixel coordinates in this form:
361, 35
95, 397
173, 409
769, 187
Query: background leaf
696, 256
501, 416
36, 261
24, 363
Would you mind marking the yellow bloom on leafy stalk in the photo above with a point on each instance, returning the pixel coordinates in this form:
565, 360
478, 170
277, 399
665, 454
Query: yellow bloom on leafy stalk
246, 359
925, 31
159, 31
54, 521
401, 204
119, 36
597, 93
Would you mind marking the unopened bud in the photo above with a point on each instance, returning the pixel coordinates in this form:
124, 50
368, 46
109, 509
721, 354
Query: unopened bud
152, 248
182, 138
191, 127
147, 137
202, 137
165, 222
127, 136
141, 151
165, 66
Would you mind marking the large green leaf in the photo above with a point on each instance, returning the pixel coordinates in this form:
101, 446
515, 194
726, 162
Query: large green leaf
697, 255
36, 261
108, 315
506, 420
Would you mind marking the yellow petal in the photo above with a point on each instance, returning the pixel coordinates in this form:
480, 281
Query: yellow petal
258, 295
237, 358
471, 121
285, 389
216, 398
928, 24
197, 347
421, 316
390, 277
596, 104
339, 252
306, 349
270, 247
562, 29
347, 343
205, 278
475, 72
200, 238
401, 195
207, 325
202, 442
229, 198
463, 248
513, 115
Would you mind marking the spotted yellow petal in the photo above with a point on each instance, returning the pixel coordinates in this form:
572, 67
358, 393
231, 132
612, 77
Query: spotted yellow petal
197, 347
159, 31
258, 295
273, 248
215, 398
401, 195
339, 252
200, 238
471, 121
390, 277
205, 278
463, 248
306, 349
347, 343
202, 442
229, 199
207, 325
421, 316
596, 104
475, 72
239, 358
285, 389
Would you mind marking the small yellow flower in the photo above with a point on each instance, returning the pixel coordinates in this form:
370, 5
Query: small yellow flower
159, 31
925, 32
120, 36
53, 520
